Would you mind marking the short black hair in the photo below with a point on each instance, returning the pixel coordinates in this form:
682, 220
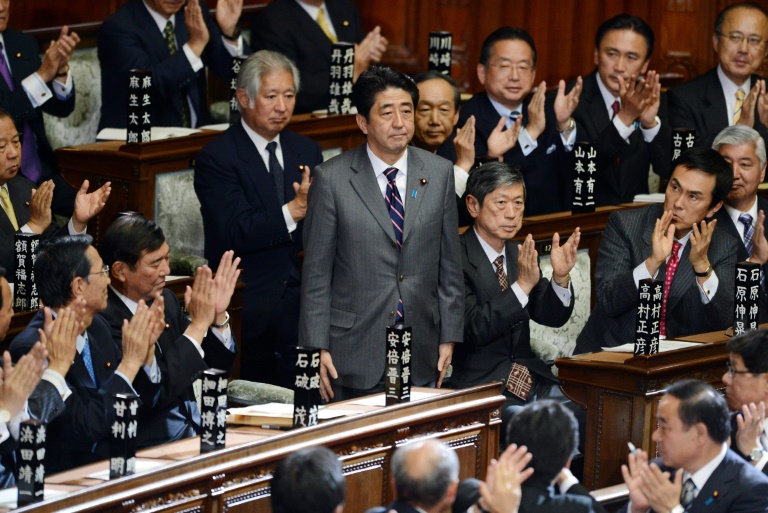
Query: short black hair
4, 114
308, 481
59, 261
490, 176
377, 79
745, 5
550, 432
129, 237
699, 402
626, 22
505, 34
752, 346
436, 75
708, 161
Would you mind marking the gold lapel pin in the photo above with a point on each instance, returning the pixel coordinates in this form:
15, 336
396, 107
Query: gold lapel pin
346, 23
18, 55
423, 181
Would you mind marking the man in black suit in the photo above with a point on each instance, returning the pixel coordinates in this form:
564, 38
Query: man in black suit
30, 86
27, 207
743, 213
550, 433
303, 30
731, 92
135, 250
746, 382
539, 133
650, 242
252, 182
86, 368
697, 472
504, 288
309, 481
624, 116
176, 45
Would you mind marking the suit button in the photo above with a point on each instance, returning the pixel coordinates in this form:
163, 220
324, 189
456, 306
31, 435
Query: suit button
402, 277
392, 315
283, 283
394, 244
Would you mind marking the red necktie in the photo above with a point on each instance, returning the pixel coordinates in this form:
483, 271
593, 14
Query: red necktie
674, 259
615, 107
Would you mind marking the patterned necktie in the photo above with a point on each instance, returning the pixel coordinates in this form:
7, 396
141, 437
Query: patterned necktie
276, 170
500, 274
170, 40
8, 207
749, 230
674, 259
32, 168
615, 107
86, 354
324, 26
514, 115
397, 216
737, 106
688, 494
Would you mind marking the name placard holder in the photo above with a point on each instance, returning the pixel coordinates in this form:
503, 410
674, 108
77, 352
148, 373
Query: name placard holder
398, 371
214, 410
234, 113
746, 303
651, 293
25, 296
125, 428
440, 47
585, 168
30, 479
682, 139
306, 387
342, 72
139, 125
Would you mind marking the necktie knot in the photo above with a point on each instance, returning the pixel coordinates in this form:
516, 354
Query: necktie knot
514, 115
272, 147
740, 94
499, 262
745, 219
500, 274
748, 232
737, 105
676, 249
615, 107
688, 493
391, 173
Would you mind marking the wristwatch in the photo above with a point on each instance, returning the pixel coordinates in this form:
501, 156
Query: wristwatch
571, 126
706, 273
754, 455
223, 324
677, 509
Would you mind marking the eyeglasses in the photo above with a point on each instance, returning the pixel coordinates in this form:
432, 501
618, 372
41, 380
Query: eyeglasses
732, 371
104, 270
506, 69
736, 38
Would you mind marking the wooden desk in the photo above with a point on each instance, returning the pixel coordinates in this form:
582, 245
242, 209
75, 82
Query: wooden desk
237, 478
621, 392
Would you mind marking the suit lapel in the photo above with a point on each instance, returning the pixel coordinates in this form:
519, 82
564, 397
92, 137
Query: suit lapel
155, 40
714, 110
257, 173
292, 159
485, 276
682, 280
367, 188
725, 223
342, 25
311, 31
717, 483
598, 115
416, 171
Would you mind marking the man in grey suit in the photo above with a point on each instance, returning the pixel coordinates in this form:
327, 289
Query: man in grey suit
381, 247
650, 243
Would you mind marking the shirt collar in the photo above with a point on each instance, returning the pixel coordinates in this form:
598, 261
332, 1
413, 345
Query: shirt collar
701, 476
313, 10
160, 20
491, 253
729, 88
259, 141
608, 97
130, 303
503, 110
379, 166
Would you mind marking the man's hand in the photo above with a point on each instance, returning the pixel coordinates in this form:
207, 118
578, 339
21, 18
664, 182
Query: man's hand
749, 427
762, 103
227, 14
537, 120
88, 204
157, 311
52, 61
563, 258
662, 494
60, 338
225, 281
565, 104
528, 272
137, 338
464, 143
633, 480
700, 239
759, 243
444, 354
635, 97
501, 491
198, 30
661, 242
653, 86
327, 371
370, 50
18, 382
66, 45
501, 141
40, 216
747, 116
200, 300
297, 207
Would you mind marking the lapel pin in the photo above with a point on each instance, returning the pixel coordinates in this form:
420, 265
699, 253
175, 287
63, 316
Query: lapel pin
345, 23
423, 181
18, 55
413, 194
167, 326
26, 203
107, 365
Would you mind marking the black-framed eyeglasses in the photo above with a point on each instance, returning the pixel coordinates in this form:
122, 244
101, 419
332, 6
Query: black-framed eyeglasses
732, 371
104, 270
737, 38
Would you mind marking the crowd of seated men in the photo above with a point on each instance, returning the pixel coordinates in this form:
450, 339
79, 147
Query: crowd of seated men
378, 228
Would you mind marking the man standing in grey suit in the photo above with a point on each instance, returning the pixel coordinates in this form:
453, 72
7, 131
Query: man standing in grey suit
381, 247
650, 243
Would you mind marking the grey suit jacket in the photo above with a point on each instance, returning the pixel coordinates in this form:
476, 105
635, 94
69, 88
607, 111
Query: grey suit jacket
625, 244
354, 272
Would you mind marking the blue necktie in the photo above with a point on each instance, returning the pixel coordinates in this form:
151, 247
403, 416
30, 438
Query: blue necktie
86, 354
749, 231
397, 215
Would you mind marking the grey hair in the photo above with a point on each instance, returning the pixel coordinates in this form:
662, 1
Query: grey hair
492, 175
741, 134
259, 64
429, 489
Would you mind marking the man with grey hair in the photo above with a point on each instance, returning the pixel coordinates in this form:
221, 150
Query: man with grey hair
252, 182
744, 214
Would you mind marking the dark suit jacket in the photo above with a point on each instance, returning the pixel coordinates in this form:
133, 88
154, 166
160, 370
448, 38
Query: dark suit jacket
24, 59
81, 434
397, 505
700, 104
496, 332
625, 244
734, 447
130, 39
241, 212
622, 168
172, 413
548, 170
283, 26
539, 498
725, 223
354, 272
20, 192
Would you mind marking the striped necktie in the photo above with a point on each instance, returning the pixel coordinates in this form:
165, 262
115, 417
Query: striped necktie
8, 207
170, 40
397, 216
749, 231
324, 26
737, 106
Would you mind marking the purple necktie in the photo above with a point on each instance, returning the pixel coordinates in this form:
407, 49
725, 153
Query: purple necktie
31, 166
397, 215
